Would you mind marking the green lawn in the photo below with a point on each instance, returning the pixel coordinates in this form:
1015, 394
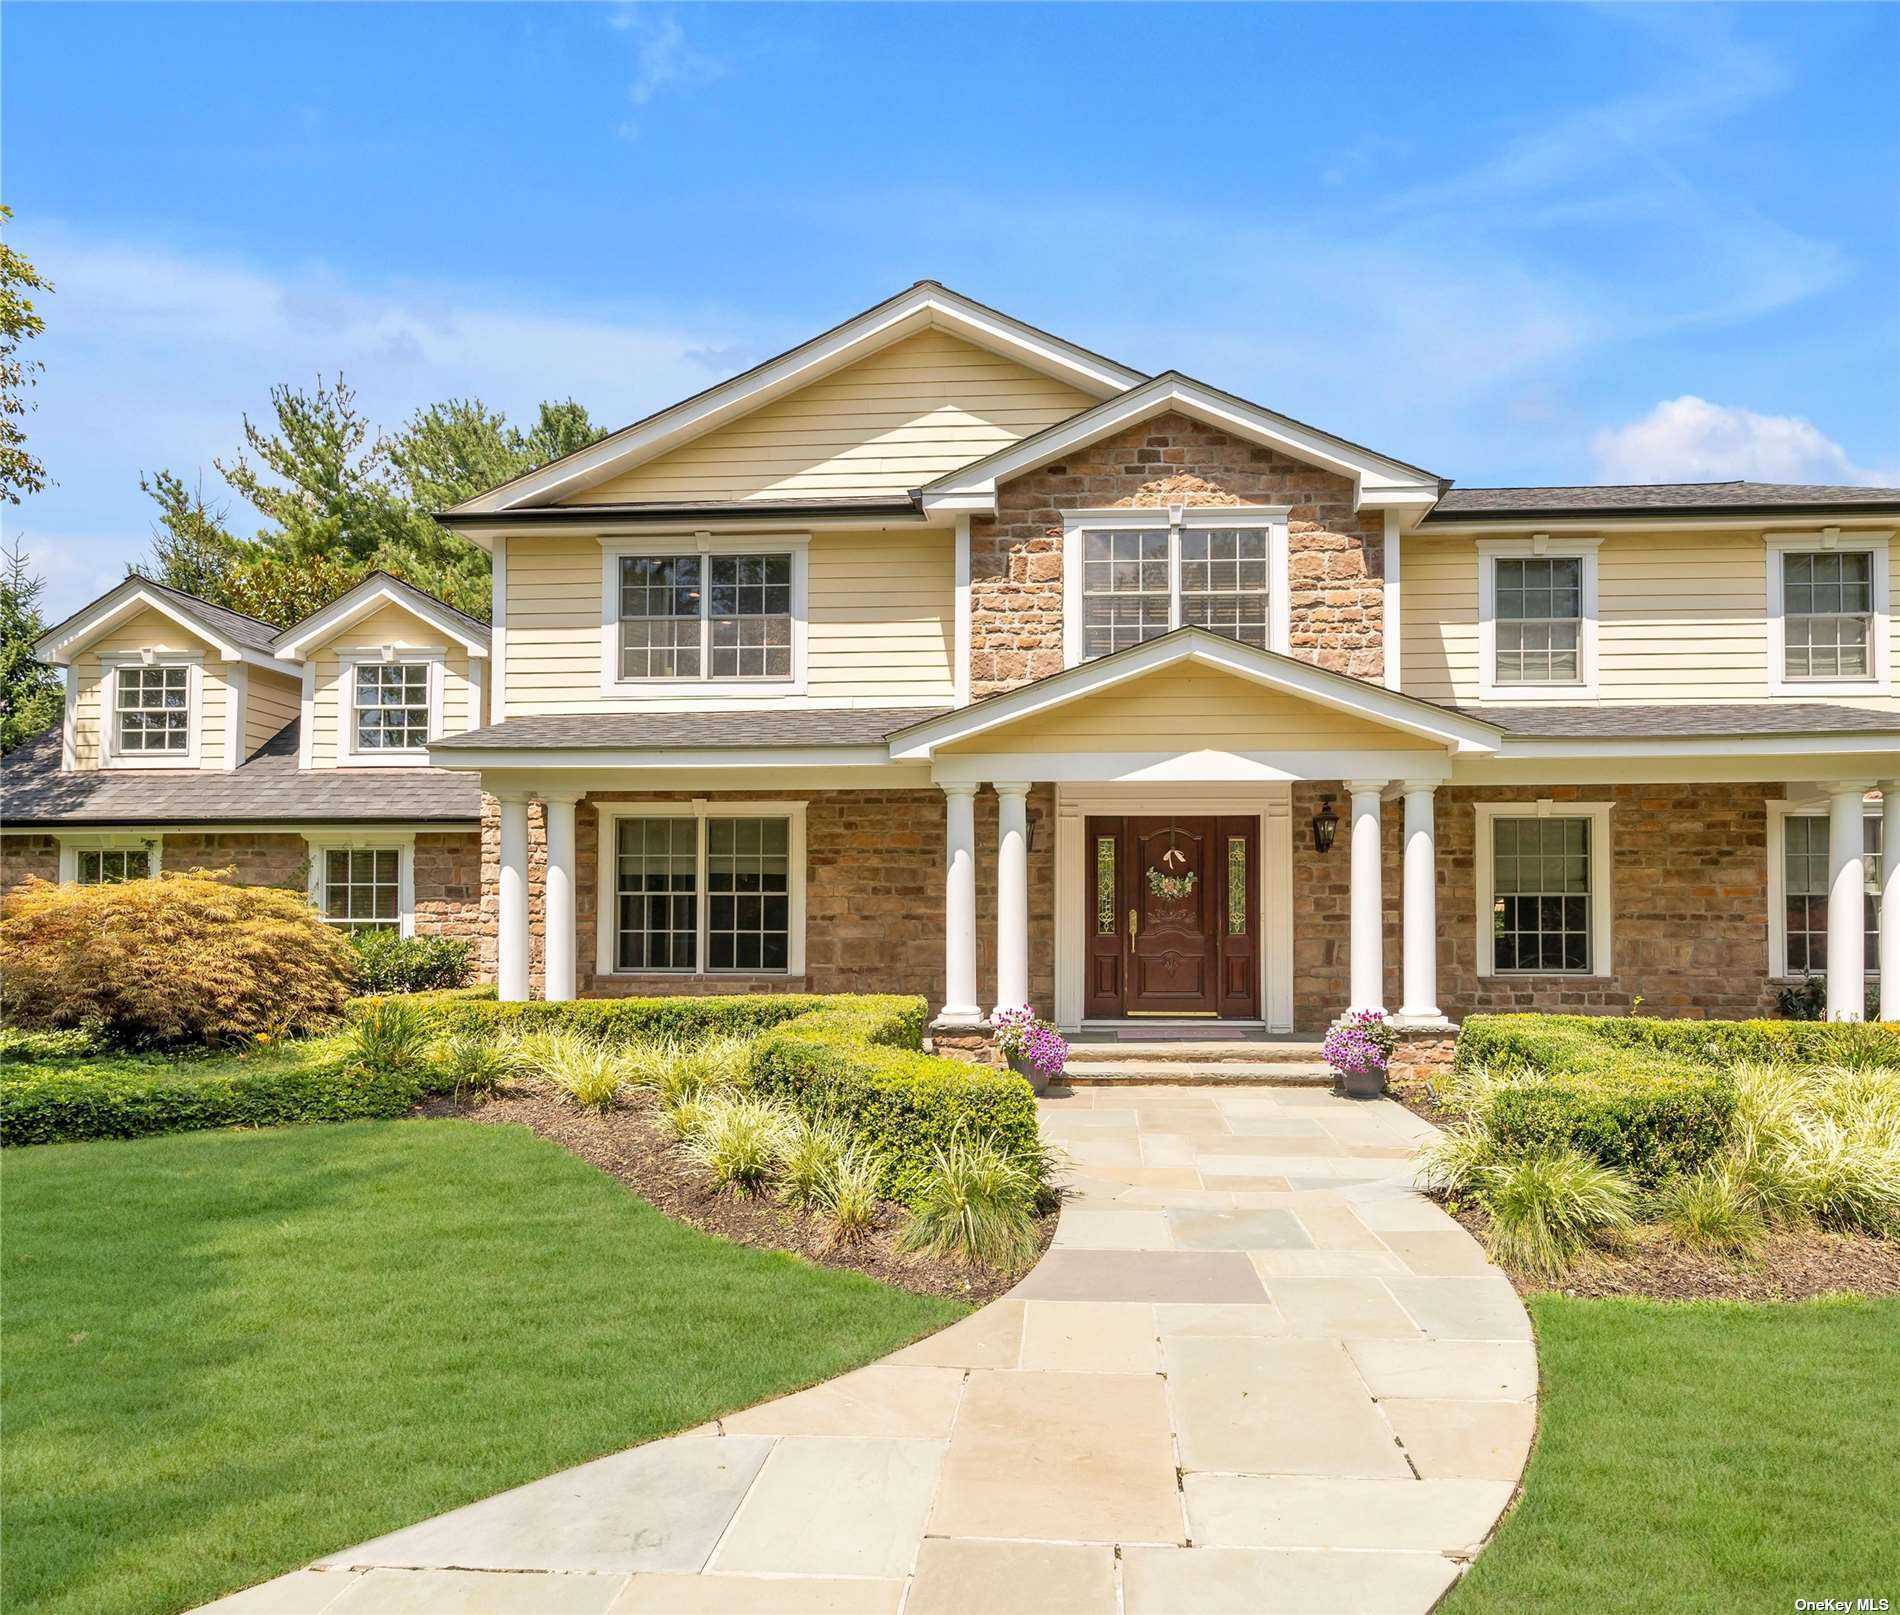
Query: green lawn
1713, 1456
227, 1353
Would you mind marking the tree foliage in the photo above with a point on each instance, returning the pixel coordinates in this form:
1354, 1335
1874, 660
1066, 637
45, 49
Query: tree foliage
20, 471
30, 692
342, 498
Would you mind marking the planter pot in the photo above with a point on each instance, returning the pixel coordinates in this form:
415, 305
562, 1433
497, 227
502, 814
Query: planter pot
1020, 1064
1359, 1085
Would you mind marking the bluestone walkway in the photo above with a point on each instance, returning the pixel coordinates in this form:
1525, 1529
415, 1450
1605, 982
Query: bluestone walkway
1255, 1372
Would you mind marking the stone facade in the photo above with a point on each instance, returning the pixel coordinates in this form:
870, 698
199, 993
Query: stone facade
1336, 557
25, 858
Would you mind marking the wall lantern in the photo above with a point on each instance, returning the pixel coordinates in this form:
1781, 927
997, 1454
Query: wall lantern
1325, 825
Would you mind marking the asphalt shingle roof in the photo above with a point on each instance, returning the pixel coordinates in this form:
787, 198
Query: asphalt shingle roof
267, 788
1655, 498
624, 731
1734, 720
237, 625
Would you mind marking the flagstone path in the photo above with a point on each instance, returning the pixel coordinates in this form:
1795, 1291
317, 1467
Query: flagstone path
1255, 1372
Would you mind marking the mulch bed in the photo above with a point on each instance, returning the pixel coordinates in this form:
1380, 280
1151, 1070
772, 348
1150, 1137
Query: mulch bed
1794, 1265
629, 1143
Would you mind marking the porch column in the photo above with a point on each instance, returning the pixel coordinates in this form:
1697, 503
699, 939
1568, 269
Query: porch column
1890, 900
1419, 1001
1846, 902
1012, 895
959, 904
1367, 986
511, 919
558, 895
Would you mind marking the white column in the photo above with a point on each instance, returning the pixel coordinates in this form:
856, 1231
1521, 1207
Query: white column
1890, 900
558, 895
1846, 903
1012, 896
1419, 1001
1368, 904
511, 920
959, 904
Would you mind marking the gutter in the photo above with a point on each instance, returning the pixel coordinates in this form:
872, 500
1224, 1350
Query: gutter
911, 505
1447, 518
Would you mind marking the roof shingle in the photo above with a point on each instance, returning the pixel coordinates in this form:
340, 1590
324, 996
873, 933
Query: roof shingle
635, 731
1656, 498
1729, 720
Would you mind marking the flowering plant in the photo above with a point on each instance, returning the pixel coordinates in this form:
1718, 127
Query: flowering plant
1359, 1043
1019, 1032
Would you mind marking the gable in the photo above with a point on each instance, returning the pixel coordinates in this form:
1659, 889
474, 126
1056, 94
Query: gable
1189, 706
899, 418
147, 629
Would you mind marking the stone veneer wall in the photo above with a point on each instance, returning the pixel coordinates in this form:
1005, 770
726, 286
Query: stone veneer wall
1689, 921
27, 857
1336, 560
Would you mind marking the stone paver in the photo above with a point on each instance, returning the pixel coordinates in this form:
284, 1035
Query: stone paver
1256, 1372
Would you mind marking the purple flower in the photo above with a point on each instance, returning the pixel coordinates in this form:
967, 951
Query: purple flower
1358, 1043
1018, 1031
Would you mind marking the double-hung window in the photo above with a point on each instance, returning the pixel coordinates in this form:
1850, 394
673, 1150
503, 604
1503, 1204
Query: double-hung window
362, 888
108, 859
1136, 575
1537, 617
1544, 889
706, 618
389, 706
152, 711
1827, 603
707, 893
1802, 943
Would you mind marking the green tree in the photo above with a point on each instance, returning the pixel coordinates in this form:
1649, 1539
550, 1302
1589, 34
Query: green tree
31, 693
20, 471
192, 548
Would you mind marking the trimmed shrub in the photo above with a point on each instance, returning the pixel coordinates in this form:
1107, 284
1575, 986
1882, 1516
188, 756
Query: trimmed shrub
622, 1021
176, 960
389, 962
1649, 1126
1631, 1045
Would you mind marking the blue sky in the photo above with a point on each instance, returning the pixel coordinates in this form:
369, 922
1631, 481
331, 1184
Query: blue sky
1514, 244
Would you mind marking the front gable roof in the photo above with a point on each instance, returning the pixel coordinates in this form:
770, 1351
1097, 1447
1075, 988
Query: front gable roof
923, 306
371, 594
1339, 692
1378, 480
232, 634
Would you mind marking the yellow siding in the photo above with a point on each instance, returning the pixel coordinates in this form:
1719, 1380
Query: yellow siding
388, 625
902, 417
1194, 708
143, 630
1681, 617
270, 702
881, 607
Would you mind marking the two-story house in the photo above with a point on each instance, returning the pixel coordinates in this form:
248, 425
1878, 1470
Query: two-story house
942, 655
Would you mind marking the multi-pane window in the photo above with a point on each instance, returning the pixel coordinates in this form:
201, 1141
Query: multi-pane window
1224, 582
109, 866
389, 702
1805, 880
1827, 607
726, 617
362, 888
1137, 583
1540, 894
1125, 593
1538, 619
154, 710
739, 920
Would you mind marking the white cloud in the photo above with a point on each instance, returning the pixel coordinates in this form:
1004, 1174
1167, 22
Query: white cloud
1689, 439
153, 356
662, 57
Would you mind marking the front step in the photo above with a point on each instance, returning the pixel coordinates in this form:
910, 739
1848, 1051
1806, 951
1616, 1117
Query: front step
1150, 1072
1091, 1051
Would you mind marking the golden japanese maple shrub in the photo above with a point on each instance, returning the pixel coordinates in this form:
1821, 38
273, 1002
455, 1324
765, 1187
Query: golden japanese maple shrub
186, 958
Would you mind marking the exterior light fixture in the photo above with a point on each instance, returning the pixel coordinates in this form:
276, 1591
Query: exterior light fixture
1325, 826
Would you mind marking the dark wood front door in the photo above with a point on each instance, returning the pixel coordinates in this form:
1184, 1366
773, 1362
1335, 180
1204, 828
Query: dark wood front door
1173, 917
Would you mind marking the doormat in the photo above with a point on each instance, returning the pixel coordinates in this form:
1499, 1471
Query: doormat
1197, 1033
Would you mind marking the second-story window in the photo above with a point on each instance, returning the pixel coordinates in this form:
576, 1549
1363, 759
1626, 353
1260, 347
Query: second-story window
390, 706
1137, 582
1827, 601
154, 711
722, 618
1539, 619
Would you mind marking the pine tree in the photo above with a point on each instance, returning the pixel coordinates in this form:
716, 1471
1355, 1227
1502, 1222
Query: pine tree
31, 693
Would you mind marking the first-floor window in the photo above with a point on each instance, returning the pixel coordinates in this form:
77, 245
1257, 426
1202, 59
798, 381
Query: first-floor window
109, 866
703, 894
1805, 872
362, 888
1540, 894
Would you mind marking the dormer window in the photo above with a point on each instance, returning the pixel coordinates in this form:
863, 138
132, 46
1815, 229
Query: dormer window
153, 711
390, 706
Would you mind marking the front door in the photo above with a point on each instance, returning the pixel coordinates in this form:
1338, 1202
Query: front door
1173, 917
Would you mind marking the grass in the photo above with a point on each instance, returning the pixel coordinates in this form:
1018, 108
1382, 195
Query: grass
228, 1353
1703, 1456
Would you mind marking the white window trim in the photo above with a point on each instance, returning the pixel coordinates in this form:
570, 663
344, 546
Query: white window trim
1565, 548
1779, 813
404, 841
72, 843
1177, 519
1602, 896
109, 753
436, 659
607, 882
796, 545
1879, 659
